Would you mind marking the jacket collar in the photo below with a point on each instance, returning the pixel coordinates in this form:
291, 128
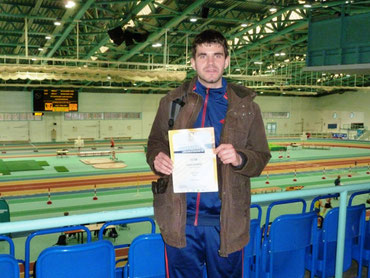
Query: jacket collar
231, 88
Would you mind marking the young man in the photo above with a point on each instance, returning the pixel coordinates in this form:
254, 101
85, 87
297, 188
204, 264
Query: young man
209, 229
337, 183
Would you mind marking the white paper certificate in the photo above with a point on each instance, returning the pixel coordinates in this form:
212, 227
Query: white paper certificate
195, 165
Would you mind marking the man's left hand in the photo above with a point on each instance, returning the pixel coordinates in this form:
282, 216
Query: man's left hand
228, 155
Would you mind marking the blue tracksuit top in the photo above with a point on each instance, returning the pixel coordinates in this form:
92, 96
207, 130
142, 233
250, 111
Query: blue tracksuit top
204, 208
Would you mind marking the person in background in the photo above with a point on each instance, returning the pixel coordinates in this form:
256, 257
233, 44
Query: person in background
111, 143
208, 229
327, 206
337, 183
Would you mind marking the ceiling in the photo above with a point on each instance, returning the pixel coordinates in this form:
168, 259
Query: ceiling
268, 44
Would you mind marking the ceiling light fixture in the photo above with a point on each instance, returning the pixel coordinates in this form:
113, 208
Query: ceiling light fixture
158, 44
272, 10
70, 4
57, 23
41, 49
48, 37
307, 6
193, 19
244, 25
103, 49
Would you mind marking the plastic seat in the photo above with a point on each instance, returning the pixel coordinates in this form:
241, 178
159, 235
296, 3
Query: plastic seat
45, 232
93, 260
327, 239
119, 270
265, 227
8, 263
8, 266
366, 251
252, 251
353, 195
285, 248
146, 257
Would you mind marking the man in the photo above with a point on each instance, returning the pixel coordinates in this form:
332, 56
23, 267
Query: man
209, 229
337, 183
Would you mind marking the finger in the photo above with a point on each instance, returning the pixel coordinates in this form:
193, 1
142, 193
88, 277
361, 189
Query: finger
163, 164
223, 147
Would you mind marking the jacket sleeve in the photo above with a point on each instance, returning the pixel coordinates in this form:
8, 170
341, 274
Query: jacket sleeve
158, 137
256, 153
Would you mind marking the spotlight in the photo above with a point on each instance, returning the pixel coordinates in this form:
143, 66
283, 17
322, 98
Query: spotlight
205, 11
116, 35
129, 35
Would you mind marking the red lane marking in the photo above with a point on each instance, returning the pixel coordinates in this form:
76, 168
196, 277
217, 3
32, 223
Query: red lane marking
73, 183
308, 164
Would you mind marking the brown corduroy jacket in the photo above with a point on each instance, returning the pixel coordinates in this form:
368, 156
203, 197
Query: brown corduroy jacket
244, 129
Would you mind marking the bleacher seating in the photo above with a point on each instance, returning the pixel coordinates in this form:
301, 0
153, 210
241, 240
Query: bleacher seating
9, 267
327, 239
265, 228
27, 271
94, 260
286, 245
287, 249
146, 257
119, 270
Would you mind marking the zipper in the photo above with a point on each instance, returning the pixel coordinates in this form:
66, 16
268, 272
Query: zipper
203, 122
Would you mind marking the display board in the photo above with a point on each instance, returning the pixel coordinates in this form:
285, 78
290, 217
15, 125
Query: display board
55, 100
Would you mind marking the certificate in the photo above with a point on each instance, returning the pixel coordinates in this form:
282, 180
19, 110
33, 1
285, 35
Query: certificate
194, 161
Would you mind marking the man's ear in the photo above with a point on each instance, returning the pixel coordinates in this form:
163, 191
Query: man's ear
192, 61
227, 61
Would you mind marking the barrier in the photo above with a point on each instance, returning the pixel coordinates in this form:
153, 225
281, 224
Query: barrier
94, 153
30, 225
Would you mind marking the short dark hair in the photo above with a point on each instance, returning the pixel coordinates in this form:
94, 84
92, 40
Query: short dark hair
210, 36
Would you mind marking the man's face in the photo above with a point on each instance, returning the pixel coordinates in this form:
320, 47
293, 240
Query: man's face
209, 63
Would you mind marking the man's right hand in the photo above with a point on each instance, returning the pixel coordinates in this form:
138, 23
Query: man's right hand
163, 164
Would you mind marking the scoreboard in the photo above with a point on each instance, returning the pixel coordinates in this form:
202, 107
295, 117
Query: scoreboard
53, 100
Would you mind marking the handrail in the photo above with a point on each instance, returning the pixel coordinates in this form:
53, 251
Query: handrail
28, 225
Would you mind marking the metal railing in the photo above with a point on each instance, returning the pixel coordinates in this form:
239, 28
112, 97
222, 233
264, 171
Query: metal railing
30, 225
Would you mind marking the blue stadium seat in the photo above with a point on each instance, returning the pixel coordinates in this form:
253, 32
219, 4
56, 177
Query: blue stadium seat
119, 270
266, 226
146, 257
45, 232
93, 260
356, 252
8, 264
353, 195
285, 247
252, 251
327, 238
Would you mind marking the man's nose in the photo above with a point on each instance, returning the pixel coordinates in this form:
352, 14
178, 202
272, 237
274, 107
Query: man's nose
210, 60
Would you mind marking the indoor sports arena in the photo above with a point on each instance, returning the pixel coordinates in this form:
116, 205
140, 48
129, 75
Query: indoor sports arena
80, 86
